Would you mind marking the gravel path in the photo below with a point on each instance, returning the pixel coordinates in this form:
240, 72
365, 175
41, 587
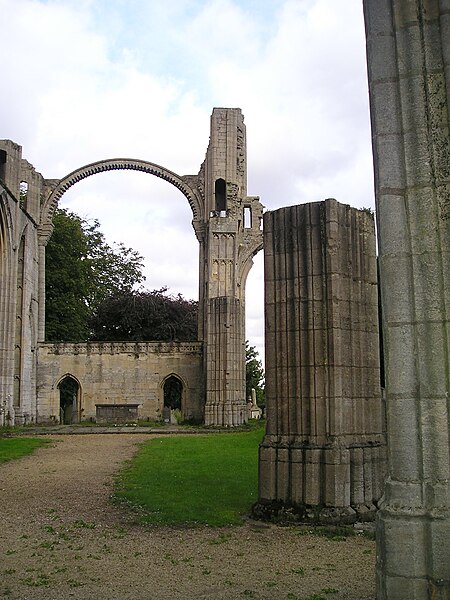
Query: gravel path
61, 538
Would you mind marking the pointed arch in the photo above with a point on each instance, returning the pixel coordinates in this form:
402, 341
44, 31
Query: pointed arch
172, 395
7, 304
69, 388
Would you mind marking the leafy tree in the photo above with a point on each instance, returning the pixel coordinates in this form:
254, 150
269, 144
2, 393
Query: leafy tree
254, 374
81, 271
145, 315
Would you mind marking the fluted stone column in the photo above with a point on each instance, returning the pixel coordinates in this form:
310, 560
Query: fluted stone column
323, 454
408, 44
225, 358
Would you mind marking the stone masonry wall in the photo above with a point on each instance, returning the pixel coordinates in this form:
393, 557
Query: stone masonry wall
18, 304
408, 52
324, 444
118, 373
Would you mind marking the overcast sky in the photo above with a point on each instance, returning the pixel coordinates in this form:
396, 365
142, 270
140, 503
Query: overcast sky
85, 80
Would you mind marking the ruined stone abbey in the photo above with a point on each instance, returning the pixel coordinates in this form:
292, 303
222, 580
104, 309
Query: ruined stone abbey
324, 455
128, 379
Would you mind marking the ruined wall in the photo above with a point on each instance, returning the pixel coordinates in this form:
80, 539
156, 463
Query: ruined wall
408, 53
324, 444
19, 285
120, 373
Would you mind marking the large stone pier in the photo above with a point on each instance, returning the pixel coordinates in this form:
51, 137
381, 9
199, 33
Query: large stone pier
408, 45
323, 456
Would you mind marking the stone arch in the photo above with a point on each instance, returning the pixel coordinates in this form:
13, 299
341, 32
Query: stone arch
246, 262
115, 164
6, 224
69, 400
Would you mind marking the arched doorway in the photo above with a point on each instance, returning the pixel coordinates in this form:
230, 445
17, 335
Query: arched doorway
173, 393
69, 404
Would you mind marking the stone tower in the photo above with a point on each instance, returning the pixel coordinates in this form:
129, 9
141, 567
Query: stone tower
231, 235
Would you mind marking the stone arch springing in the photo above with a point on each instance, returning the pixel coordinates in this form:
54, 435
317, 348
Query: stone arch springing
69, 399
180, 182
246, 262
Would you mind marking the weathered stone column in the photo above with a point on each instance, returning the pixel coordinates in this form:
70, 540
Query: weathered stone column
408, 44
323, 454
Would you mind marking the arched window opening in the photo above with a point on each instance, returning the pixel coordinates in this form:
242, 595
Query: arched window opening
247, 217
173, 391
23, 194
220, 193
68, 400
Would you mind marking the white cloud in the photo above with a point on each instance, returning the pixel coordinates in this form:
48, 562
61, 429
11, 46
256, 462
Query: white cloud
93, 79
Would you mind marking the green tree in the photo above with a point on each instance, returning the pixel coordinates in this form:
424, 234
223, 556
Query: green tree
81, 271
254, 374
145, 315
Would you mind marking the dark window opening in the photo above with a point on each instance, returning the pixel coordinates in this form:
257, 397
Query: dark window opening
173, 389
68, 400
220, 193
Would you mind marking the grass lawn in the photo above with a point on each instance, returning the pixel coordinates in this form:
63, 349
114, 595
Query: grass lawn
11, 448
207, 479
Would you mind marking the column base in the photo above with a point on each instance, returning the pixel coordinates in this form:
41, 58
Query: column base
226, 415
283, 512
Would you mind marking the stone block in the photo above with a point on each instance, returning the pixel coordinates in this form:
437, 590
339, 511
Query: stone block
404, 447
390, 161
439, 552
337, 483
405, 547
432, 362
422, 204
435, 453
400, 363
402, 588
392, 220
418, 166
378, 18
386, 100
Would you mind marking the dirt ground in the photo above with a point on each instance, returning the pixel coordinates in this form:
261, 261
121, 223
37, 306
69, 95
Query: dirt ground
61, 538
